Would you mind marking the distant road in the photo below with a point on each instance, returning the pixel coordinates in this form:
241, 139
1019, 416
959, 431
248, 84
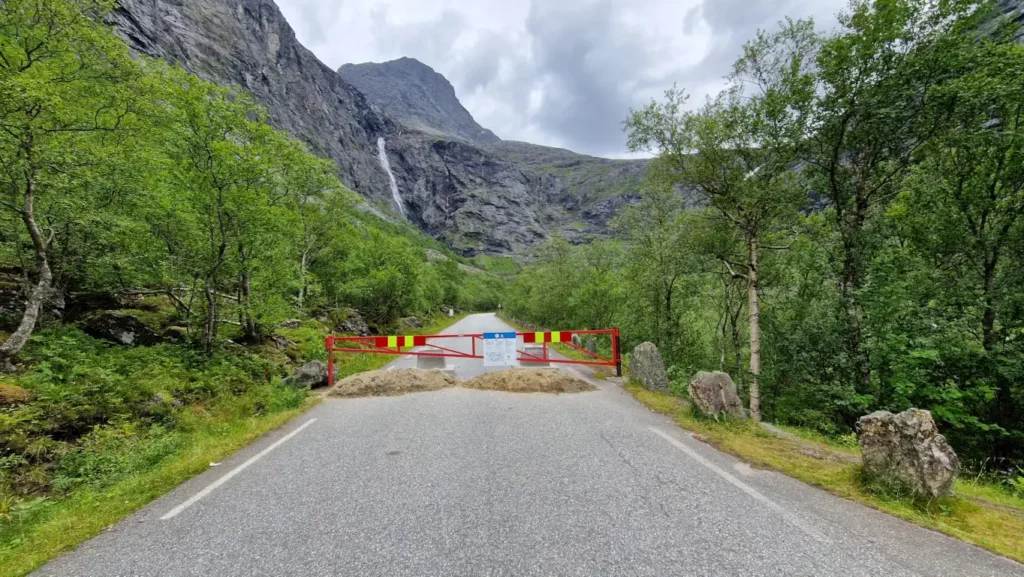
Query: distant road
462, 482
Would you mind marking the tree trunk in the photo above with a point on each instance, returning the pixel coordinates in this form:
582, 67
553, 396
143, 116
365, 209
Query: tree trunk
302, 280
44, 280
851, 231
210, 328
988, 318
249, 325
754, 305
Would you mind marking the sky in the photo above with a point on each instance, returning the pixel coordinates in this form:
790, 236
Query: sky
561, 73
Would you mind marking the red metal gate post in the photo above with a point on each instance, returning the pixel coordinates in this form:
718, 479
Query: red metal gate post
616, 353
330, 360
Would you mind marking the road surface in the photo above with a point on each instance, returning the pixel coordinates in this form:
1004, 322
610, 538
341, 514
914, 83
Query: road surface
461, 482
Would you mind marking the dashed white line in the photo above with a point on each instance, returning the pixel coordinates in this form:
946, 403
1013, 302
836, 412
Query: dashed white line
797, 521
210, 488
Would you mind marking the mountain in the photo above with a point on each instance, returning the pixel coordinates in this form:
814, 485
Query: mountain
412, 93
406, 144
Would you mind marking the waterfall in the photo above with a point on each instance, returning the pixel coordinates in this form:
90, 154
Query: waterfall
383, 156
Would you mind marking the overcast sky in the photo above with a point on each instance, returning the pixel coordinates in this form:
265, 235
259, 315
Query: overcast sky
556, 72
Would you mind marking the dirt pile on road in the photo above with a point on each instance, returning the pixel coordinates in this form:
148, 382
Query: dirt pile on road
403, 381
529, 381
391, 383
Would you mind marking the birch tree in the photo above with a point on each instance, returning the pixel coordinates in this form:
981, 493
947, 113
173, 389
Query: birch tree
65, 95
738, 152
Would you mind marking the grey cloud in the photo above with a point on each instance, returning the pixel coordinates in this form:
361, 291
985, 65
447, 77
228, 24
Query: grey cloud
588, 64
586, 60
311, 21
430, 41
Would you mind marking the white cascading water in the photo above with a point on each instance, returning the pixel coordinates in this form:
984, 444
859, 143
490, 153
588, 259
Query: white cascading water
382, 154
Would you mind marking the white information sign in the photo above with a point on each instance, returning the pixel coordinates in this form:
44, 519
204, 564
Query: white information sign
499, 349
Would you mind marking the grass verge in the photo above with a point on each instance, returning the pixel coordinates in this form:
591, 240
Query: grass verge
47, 531
39, 529
985, 515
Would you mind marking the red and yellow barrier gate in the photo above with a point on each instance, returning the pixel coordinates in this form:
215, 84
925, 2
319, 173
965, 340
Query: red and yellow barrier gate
449, 346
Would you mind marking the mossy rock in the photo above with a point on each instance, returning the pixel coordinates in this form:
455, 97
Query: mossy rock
11, 395
271, 354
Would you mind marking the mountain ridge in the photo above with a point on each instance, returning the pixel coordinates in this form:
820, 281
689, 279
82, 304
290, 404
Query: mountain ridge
477, 198
416, 95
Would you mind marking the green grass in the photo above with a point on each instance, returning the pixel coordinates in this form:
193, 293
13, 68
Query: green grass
984, 515
143, 465
50, 527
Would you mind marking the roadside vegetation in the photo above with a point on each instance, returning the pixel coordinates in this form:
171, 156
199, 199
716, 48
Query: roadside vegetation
857, 242
982, 513
162, 209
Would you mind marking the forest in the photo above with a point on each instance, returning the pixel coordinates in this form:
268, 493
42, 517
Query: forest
840, 229
127, 183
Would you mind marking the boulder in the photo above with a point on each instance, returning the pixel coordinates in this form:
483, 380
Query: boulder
349, 321
12, 305
715, 394
592, 346
291, 324
175, 334
577, 341
120, 328
310, 375
410, 323
646, 366
11, 395
907, 450
278, 342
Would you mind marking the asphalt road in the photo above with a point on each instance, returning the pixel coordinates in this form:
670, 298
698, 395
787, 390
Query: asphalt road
461, 482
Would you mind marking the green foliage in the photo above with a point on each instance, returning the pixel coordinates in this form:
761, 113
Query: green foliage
100, 412
878, 168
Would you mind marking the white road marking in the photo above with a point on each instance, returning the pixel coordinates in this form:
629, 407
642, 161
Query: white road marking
210, 488
797, 521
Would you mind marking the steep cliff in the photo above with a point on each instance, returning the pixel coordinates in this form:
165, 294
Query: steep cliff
452, 178
248, 43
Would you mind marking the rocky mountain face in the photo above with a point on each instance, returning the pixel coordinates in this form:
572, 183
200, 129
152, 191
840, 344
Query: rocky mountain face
249, 44
412, 93
453, 179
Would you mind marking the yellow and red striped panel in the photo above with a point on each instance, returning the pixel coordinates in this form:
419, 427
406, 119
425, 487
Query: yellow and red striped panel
551, 337
394, 342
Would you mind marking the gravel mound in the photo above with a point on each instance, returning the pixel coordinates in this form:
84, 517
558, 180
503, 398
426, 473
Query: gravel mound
403, 381
529, 381
391, 383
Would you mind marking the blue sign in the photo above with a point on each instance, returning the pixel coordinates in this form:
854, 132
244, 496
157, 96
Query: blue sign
489, 336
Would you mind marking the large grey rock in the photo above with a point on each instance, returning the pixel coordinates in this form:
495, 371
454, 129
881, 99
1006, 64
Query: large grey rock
350, 322
715, 394
410, 323
310, 375
12, 304
120, 328
646, 367
577, 341
906, 449
175, 335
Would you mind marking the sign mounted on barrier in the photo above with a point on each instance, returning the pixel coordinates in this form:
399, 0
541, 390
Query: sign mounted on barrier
500, 349
503, 348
